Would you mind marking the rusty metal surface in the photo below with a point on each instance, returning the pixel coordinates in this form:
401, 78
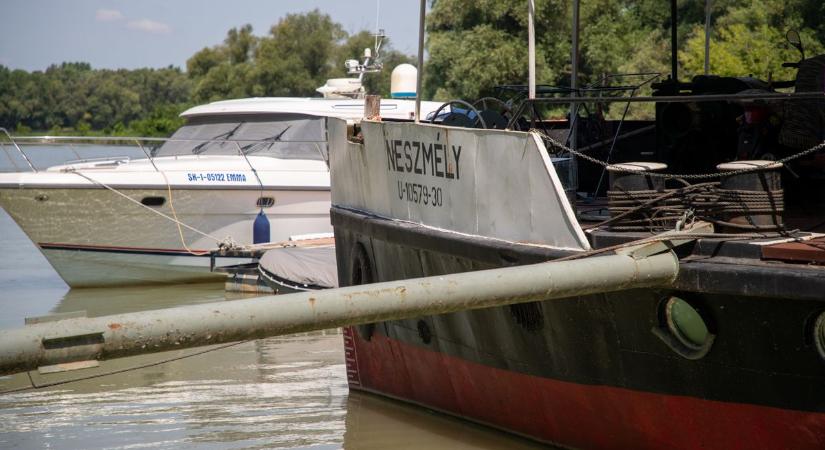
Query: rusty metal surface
491, 183
812, 251
78, 339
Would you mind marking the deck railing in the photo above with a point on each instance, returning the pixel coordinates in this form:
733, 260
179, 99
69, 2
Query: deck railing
36, 153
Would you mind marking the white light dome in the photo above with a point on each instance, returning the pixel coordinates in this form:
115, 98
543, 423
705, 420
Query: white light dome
403, 81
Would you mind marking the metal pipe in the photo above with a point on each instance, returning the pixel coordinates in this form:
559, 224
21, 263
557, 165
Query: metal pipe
142, 138
573, 167
28, 161
707, 36
776, 96
531, 50
148, 156
79, 339
673, 41
420, 72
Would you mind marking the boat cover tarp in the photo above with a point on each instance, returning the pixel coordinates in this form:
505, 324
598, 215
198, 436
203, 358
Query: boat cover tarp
312, 266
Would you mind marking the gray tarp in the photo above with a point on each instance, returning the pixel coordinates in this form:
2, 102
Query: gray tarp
303, 265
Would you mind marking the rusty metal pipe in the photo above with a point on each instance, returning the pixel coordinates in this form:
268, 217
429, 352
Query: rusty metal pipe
77, 339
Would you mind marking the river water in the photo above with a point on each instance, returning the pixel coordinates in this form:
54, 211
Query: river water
285, 392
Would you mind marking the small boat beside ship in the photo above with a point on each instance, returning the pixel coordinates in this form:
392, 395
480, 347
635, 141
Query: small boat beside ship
152, 217
238, 172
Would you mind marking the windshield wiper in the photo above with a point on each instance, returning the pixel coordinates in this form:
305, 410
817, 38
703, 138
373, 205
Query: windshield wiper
247, 149
200, 148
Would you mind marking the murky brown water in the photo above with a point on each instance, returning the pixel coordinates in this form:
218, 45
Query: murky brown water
285, 392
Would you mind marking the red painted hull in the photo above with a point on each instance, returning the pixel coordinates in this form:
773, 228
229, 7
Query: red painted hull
571, 414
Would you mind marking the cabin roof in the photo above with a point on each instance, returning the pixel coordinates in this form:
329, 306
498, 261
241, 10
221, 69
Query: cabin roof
341, 108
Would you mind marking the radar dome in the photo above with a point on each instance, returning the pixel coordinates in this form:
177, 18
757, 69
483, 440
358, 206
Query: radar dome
403, 81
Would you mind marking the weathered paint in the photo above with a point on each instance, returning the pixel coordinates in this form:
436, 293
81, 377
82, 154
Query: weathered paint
567, 413
490, 183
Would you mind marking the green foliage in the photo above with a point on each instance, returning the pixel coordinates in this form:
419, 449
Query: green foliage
162, 121
473, 46
476, 45
750, 39
74, 97
298, 55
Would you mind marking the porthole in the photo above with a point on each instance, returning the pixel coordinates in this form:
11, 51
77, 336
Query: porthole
153, 201
684, 328
265, 202
685, 323
41, 197
819, 335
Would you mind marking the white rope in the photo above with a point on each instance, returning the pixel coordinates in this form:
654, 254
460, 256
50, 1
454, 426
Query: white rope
177, 221
174, 219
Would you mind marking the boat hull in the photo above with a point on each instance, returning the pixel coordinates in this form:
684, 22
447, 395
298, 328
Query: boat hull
95, 237
615, 370
587, 372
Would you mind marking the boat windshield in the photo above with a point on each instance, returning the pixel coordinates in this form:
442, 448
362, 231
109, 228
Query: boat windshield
285, 136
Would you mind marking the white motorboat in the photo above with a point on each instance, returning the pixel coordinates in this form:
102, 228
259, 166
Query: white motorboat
151, 216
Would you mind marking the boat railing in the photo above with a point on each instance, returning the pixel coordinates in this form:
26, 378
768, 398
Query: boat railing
14, 143
768, 97
37, 153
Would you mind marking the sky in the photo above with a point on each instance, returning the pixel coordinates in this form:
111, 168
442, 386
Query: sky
158, 33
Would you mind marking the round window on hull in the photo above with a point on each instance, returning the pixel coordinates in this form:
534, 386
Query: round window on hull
683, 328
685, 323
819, 335
265, 202
153, 201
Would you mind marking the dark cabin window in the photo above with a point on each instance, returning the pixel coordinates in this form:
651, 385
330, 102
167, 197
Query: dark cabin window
265, 202
153, 201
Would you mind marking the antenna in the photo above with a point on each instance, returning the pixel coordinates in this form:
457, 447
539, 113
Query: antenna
377, 16
371, 62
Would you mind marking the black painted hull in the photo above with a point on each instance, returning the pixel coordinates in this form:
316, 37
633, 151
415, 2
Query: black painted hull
595, 372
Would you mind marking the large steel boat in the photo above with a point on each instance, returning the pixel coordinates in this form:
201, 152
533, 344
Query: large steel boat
732, 356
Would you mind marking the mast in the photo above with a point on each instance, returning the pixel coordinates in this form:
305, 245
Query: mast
673, 55
574, 107
420, 72
708, 7
531, 49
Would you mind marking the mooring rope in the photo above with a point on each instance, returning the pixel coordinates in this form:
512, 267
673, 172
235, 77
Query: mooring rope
657, 210
174, 219
661, 210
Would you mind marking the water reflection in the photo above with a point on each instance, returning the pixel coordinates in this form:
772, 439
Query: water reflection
282, 392
375, 422
279, 392
106, 301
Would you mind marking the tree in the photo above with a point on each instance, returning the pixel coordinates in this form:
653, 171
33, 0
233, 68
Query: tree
297, 56
749, 38
476, 45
